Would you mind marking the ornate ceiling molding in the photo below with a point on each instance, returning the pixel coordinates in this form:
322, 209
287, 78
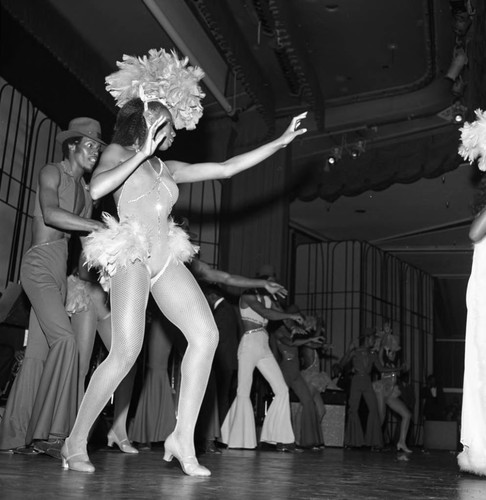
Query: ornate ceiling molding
231, 43
298, 71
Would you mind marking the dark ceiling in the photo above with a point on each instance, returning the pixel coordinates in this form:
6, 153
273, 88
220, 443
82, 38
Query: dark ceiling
381, 80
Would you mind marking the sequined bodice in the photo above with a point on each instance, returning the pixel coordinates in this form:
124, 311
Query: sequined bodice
148, 196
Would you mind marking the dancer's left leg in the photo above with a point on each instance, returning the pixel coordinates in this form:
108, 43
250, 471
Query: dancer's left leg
277, 426
397, 405
181, 300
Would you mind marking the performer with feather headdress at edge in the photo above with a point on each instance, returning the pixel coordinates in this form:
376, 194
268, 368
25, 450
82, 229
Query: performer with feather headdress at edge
473, 421
144, 252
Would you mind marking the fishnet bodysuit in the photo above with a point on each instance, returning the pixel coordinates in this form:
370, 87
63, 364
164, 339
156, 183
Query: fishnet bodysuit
149, 195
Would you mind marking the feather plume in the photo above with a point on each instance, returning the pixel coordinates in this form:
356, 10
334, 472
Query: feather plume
473, 140
180, 246
161, 76
77, 297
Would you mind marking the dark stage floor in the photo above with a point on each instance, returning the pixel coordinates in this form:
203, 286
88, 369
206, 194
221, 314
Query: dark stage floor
333, 473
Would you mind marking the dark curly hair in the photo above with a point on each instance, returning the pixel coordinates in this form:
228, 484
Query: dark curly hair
67, 143
130, 127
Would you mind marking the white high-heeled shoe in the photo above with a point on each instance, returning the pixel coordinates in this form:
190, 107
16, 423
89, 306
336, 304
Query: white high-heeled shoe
124, 445
189, 465
404, 448
77, 461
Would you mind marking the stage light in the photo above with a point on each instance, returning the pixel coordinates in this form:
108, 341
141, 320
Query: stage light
459, 113
455, 113
335, 155
356, 149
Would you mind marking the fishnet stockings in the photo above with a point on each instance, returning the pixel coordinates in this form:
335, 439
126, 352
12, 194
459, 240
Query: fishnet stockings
129, 294
85, 325
180, 299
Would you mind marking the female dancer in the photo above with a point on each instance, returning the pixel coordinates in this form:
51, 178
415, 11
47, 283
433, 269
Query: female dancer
318, 381
238, 429
143, 252
386, 389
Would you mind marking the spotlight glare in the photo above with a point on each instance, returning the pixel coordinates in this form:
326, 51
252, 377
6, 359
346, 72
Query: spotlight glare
458, 118
334, 155
356, 149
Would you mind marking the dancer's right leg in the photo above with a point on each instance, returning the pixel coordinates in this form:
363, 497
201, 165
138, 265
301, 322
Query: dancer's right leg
238, 429
123, 393
129, 294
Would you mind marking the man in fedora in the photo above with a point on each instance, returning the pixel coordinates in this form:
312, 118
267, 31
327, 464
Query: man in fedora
41, 407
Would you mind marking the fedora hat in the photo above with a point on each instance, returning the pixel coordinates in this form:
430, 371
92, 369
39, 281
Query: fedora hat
82, 127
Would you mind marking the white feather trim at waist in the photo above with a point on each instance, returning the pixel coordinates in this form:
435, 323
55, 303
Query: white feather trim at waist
129, 241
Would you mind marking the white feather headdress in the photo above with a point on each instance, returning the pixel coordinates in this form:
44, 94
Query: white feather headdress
473, 140
160, 76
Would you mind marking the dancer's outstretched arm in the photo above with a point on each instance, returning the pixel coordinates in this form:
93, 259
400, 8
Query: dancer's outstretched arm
185, 172
272, 313
203, 272
478, 227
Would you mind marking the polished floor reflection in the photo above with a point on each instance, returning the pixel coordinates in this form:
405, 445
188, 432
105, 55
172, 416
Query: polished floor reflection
333, 473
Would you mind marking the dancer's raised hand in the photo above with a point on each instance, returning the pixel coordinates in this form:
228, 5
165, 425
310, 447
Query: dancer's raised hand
156, 133
293, 129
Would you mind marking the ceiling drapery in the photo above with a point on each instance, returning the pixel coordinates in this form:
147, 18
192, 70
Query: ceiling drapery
378, 169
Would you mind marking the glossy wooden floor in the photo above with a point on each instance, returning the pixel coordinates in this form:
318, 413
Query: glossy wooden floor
333, 473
